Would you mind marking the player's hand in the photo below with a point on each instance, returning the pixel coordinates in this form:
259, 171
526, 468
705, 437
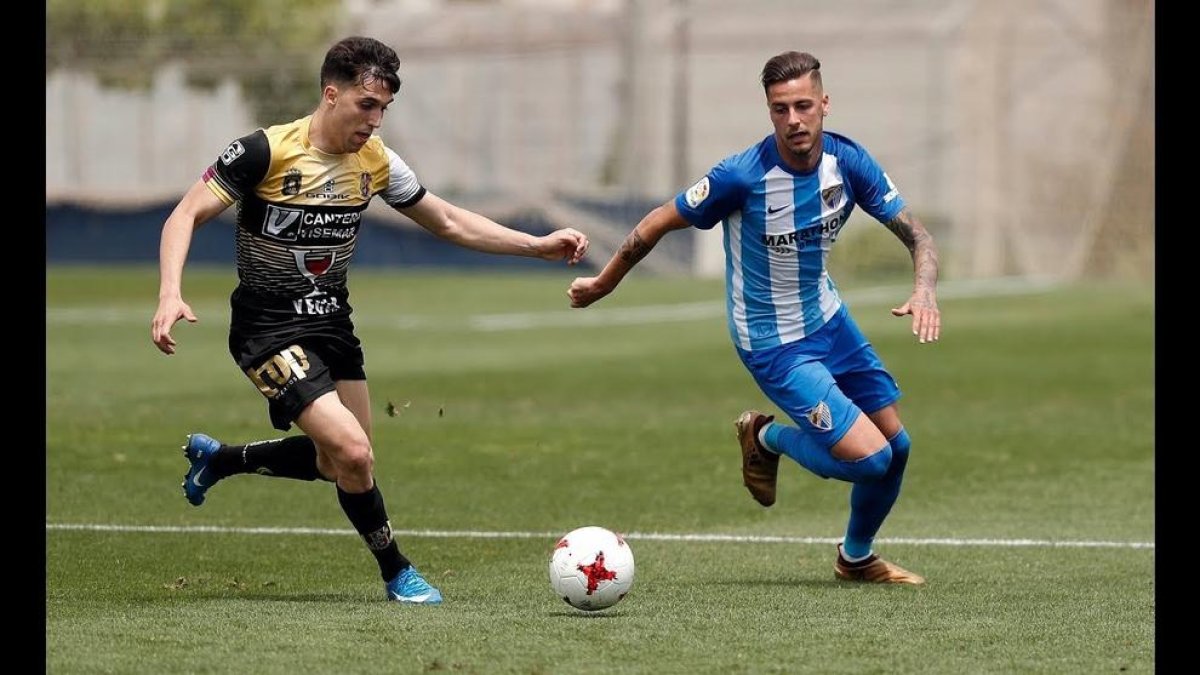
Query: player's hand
568, 243
926, 319
169, 311
586, 290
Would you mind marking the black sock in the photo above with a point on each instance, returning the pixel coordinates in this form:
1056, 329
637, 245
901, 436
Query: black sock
288, 457
369, 517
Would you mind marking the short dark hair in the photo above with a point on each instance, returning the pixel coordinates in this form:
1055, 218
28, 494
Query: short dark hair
789, 66
357, 59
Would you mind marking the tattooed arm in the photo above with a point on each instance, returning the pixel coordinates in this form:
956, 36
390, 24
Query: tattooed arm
586, 290
927, 320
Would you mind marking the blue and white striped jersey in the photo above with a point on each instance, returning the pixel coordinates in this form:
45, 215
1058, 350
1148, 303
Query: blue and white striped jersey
779, 227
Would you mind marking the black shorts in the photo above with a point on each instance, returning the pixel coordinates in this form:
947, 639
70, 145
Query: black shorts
294, 370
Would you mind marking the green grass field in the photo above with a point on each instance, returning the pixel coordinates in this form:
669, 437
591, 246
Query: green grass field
1028, 503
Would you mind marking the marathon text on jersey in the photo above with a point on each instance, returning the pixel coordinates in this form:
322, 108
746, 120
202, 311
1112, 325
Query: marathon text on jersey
828, 227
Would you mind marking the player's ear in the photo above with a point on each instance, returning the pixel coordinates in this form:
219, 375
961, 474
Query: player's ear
329, 94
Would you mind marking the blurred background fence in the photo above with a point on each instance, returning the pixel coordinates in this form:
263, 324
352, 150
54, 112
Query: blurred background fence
1022, 132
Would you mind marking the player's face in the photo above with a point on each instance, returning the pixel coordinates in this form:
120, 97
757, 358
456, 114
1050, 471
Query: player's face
797, 110
357, 111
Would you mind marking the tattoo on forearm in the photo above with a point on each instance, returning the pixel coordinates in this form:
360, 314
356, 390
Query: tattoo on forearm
633, 249
920, 245
902, 226
925, 264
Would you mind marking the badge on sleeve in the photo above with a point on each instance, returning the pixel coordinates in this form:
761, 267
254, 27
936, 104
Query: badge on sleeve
235, 150
697, 193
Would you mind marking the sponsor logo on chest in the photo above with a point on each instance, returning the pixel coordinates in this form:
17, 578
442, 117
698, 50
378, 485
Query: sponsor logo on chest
800, 239
298, 224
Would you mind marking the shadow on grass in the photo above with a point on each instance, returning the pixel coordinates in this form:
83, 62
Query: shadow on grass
581, 614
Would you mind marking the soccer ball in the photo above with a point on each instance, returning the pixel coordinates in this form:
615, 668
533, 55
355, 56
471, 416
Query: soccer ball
591, 568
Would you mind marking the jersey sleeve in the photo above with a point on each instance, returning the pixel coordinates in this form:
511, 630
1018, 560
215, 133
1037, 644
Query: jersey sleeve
873, 189
720, 192
403, 189
240, 168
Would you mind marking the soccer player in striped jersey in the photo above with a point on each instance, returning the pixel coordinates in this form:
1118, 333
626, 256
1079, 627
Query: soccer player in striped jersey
301, 189
783, 202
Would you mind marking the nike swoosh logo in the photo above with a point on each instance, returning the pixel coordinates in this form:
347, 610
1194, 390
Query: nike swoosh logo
196, 478
775, 210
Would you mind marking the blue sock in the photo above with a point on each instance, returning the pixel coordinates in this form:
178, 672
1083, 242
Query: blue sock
871, 502
816, 458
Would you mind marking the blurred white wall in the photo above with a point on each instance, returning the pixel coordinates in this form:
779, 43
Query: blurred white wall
1022, 129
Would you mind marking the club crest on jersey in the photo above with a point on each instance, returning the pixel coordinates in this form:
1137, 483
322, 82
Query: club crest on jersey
235, 150
820, 417
697, 193
832, 195
364, 185
291, 182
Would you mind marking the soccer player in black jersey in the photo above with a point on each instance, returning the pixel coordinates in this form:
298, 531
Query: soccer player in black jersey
302, 188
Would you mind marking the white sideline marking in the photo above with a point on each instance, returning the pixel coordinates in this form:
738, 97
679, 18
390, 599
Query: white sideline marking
595, 316
551, 536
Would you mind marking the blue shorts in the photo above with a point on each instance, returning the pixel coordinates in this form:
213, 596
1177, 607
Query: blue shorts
824, 380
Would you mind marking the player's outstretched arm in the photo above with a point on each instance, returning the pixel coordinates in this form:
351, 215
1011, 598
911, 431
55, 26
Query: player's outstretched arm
479, 233
197, 207
922, 305
586, 290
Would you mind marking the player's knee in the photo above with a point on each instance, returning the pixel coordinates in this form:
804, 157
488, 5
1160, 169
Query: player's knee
901, 444
356, 457
874, 466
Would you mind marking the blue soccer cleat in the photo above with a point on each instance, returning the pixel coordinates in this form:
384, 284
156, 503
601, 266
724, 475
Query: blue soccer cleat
199, 451
410, 587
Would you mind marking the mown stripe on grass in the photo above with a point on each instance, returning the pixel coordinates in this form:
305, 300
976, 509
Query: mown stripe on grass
646, 536
602, 316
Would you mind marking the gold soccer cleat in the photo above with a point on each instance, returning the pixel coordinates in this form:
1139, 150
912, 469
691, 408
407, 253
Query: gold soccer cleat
874, 570
760, 467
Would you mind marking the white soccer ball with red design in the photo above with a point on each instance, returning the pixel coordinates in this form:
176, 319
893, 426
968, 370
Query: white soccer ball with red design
591, 568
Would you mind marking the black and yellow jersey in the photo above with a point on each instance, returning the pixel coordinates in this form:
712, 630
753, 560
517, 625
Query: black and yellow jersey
299, 212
